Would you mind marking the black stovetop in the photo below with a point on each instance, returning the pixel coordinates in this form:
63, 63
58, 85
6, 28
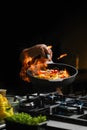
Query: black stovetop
71, 109
67, 108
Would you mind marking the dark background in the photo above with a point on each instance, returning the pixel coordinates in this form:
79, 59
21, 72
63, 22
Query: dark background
64, 26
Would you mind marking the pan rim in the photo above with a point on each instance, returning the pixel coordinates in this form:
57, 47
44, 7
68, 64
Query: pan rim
59, 79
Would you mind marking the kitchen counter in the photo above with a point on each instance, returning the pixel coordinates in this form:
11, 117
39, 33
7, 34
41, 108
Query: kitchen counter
51, 124
63, 125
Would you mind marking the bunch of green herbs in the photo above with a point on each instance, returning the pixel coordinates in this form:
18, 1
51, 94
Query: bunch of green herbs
25, 118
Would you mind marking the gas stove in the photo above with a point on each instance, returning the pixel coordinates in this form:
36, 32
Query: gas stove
62, 108
67, 112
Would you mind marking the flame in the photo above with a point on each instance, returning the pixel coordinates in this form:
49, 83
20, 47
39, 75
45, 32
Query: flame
38, 65
61, 56
49, 47
51, 74
77, 61
33, 66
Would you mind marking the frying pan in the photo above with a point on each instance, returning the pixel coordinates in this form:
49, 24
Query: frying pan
40, 83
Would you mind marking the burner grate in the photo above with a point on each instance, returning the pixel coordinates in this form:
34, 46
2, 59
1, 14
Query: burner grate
65, 107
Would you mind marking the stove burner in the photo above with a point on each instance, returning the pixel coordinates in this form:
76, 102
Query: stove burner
83, 117
55, 105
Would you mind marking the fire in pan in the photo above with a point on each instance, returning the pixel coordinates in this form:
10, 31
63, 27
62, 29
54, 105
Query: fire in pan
63, 81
